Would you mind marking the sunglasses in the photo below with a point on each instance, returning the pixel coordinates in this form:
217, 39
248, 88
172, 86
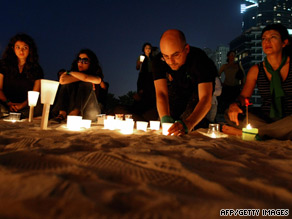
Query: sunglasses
83, 60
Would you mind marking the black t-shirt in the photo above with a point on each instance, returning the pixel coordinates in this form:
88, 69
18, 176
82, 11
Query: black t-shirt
183, 83
16, 85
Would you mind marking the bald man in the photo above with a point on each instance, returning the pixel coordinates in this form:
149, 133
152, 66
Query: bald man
183, 79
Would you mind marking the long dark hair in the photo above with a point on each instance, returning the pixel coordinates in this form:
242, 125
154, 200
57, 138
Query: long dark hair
10, 60
94, 66
9, 54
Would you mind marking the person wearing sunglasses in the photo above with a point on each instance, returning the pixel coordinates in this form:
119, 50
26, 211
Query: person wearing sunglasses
184, 78
79, 88
20, 72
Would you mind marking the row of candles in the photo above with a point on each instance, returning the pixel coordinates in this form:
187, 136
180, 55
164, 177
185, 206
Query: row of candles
48, 93
117, 122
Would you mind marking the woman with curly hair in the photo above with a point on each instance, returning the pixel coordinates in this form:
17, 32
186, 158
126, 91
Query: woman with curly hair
79, 86
20, 72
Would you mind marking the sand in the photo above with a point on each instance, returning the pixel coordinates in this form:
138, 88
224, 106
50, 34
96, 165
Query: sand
98, 173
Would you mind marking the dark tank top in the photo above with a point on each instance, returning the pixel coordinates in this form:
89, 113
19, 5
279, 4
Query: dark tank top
263, 85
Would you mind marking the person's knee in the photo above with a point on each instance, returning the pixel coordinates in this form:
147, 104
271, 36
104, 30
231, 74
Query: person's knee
85, 85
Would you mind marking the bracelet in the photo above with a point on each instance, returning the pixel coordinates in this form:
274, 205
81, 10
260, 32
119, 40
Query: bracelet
68, 72
184, 125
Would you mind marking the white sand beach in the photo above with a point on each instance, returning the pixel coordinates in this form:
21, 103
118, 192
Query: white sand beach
98, 173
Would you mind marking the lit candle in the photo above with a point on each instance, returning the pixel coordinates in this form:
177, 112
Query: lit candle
74, 122
13, 117
32, 101
141, 125
249, 133
48, 92
155, 125
109, 122
165, 127
85, 123
100, 119
142, 58
127, 127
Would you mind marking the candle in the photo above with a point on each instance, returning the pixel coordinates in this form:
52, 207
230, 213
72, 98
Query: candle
85, 123
13, 117
213, 130
74, 122
165, 127
109, 122
155, 125
32, 101
100, 119
141, 125
142, 58
48, 92
249, 133
127, 127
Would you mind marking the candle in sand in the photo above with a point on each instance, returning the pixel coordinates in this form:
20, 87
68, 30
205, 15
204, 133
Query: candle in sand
249, 133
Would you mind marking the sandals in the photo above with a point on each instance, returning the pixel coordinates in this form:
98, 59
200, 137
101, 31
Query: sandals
59, 118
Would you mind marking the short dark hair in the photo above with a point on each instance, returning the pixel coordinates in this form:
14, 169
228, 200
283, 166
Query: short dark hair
281, 29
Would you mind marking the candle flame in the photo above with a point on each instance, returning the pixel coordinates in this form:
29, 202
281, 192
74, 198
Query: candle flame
213, 135
248, 126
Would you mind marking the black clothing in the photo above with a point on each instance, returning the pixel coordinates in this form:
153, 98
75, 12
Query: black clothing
183, 83
145, 87
16, 84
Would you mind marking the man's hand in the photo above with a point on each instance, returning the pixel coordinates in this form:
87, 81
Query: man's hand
233, 112
178, 128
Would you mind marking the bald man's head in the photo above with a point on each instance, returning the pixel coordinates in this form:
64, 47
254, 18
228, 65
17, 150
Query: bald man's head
174, 48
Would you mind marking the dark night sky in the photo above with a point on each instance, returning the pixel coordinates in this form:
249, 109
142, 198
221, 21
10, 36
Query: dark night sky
115, 30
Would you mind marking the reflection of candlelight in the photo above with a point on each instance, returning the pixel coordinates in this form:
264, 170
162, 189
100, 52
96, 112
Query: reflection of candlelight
249, 133
213, 135
32, 101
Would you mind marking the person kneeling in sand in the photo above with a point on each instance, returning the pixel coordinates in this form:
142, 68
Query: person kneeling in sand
184, 78
273, 77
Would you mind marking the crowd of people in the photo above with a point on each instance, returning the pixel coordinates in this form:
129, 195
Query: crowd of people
180, 84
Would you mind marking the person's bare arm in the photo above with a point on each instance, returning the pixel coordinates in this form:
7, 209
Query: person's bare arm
246, 92
200, 111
